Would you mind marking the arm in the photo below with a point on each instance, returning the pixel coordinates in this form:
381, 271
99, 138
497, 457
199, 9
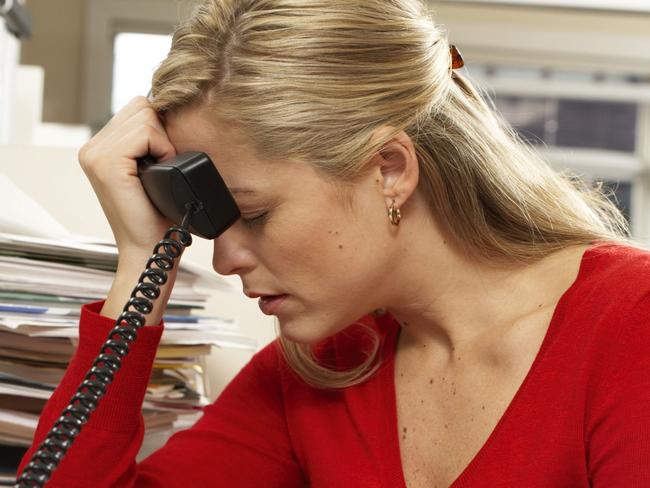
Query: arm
114, 431
618, 428
240, 441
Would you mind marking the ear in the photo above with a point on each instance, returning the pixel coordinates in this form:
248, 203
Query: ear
396, 164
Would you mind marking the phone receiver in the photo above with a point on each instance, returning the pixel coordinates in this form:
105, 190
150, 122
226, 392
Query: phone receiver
189, 177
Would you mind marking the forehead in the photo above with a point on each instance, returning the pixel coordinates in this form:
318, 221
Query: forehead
234, 157
191, 130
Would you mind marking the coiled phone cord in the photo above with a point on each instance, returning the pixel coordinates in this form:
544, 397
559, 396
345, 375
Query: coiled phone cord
87, 397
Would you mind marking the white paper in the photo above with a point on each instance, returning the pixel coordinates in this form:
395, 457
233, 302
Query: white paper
22, 215
22, 419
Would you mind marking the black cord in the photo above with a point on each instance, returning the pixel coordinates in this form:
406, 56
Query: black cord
87, 397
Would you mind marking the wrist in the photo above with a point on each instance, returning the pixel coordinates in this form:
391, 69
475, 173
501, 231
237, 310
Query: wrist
133, 259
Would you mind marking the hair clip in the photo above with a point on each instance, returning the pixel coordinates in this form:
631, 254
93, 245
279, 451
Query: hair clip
456, 58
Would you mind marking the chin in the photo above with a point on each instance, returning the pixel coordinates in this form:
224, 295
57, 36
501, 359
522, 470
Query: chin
305, 331
301, 336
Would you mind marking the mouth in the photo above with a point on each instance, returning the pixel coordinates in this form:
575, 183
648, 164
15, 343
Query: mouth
270, 304
256, 294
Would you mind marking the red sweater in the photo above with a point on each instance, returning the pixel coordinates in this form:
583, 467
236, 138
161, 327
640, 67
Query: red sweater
581, 417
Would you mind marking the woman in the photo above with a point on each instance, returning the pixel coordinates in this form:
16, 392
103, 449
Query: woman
451, 311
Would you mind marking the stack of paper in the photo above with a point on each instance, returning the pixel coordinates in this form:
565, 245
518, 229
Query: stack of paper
44, 280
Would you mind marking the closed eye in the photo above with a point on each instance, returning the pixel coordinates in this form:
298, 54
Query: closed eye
257, 220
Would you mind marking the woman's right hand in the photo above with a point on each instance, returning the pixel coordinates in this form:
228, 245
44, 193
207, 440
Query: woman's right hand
109, 162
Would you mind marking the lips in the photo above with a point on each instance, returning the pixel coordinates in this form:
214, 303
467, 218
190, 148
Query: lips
256, 294
270, 304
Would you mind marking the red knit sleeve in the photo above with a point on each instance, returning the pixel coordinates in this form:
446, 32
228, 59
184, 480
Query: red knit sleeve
240, 441
113, 435
618, 428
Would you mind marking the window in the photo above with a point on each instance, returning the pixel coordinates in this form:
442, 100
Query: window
599, 137
136, 56
621, 195
561, 122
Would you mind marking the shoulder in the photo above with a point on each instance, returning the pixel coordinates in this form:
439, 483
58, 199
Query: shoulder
614, 277
608, 309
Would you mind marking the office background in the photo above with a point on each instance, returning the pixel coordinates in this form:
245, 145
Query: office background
572, 76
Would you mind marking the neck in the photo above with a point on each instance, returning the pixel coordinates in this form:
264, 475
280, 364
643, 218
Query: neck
454, 303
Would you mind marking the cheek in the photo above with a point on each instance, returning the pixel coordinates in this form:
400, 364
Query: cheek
333, 263
309, 243
329, 253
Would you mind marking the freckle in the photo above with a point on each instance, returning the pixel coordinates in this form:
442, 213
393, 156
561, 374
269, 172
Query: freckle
444, 242
453, 392
459, 358
340, 246
453, 348
539, 306
424, 345
483, 407
431, 381
336, 233
404, 430
406, 323
401, 374
443, 378
421, 402
472, 419
446, 426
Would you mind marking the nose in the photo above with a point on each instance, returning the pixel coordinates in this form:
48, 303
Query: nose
230, 255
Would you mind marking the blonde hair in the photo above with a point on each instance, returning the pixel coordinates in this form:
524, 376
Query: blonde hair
312, 80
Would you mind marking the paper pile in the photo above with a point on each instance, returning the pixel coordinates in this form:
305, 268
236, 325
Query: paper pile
44, 280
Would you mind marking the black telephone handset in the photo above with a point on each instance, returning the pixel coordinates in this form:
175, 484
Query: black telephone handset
189, 191
189, 177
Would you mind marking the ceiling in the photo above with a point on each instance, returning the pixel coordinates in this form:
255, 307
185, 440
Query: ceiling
619, 5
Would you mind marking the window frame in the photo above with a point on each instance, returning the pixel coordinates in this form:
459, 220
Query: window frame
593, 163
104, 20
498, 34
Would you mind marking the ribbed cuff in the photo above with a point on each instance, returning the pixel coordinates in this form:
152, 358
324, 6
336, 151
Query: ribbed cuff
119, 409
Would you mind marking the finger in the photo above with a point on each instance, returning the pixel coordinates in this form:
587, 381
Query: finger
135, 105
146, 116
160, 147
146, 139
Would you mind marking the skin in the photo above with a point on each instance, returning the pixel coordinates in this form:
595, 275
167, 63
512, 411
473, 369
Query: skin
338, 263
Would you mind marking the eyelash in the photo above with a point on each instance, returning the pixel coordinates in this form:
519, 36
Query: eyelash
257, 220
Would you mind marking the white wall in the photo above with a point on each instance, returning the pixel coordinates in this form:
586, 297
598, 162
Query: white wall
8, 60
556, 37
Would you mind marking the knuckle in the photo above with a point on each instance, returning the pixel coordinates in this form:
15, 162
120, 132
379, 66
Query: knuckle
85, 155
149, 130
139, 100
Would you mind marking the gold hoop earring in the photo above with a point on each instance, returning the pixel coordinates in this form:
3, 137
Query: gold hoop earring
394, 214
